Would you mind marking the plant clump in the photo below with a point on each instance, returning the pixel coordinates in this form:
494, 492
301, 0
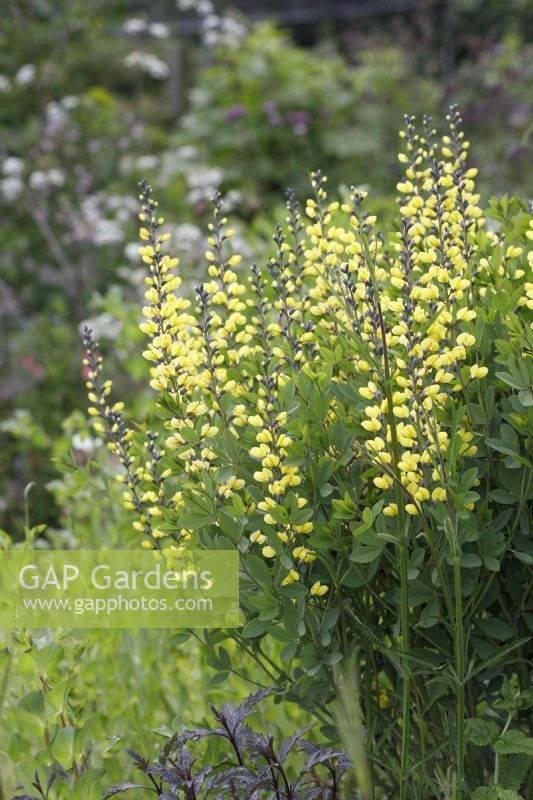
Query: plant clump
355, 417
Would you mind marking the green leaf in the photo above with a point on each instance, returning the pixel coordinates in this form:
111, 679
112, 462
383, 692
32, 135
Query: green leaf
180, 638
495, 628
526, 397
89, 786
430, 614
491, 563
470, 560
63, 746
510, 380
84, 736
333, 658
481, 731
365, 555
501, 447
47, 658
57, 697
255, 627
494, 793
33, 703
367, 516
515, 741
513, 770
195, 521
344, 509
502, 496
525, 558
259, 570
288, 652
220, 677
485, 793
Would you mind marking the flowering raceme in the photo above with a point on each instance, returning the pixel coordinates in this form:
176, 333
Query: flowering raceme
389, 321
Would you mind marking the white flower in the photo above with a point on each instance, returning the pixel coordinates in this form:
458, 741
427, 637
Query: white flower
38, 180
187, 152
87, 444
5, 84
203, 182
133, 26
131, 251
147, 162
204, 7
56, 117
26, 74
149, 63
69, 102
159, 30
45, 179
13, 166
11, 188
189, 240
104, 326
56, 177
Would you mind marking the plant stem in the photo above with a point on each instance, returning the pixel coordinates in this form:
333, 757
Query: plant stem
3, 692
402, 548
368, 695
406, 680
460, 669
5, 682
497, 756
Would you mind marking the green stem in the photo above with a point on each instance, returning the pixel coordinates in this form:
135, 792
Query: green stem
5, 682
497, 757
460, 669
402, 547
368, 696
406, 680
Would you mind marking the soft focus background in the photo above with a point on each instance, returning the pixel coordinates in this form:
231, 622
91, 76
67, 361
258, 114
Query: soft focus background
95, 94
196, 96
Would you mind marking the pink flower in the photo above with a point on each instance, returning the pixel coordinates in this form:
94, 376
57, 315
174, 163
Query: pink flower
33, 367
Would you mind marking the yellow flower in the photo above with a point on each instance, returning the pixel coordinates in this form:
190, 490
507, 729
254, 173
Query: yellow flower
318, 589
268, 551
391, 510
292, 577
383, 699
478, 372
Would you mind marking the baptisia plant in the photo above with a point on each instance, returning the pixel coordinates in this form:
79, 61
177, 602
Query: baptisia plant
355, 418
